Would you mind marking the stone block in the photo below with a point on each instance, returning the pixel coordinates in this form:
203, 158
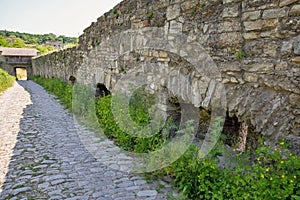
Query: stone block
229, 26
230, 39
250, 77
230, 66
250, 35
270, 49
297, 46
175, 27
274, 13
256, 25
233, 80
295, 11
173, 12
253, 48
294, 99
259, 67
260, 24
163, 54
253, 15
229, 1
186, 5
270, 34
296, 59
281, 66
286, 2
286, 47
205, 28
147, 193
231, 11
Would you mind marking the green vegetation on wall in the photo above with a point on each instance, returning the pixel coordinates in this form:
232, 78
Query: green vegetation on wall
6, 80
266, 173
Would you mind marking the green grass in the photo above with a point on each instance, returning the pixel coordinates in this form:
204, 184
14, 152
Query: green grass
6, 80
265, 173
56, 86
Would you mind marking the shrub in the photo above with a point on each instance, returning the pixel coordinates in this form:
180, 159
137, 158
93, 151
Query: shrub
273, 175
6, 80
124, 140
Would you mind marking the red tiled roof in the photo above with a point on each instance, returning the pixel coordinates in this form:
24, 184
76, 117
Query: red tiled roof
18, 52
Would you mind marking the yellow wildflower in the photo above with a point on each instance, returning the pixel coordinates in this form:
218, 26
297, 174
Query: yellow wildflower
262, 176
291, 181
267, 169
271, 179
281, 143
258, 159
295, 177
282, 162
282, 176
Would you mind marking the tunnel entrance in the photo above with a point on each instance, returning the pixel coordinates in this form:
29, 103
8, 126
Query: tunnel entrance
101, 90
21, 73
236, 134
72, 80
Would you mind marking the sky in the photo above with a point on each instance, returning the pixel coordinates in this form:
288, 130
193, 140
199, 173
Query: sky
61, 17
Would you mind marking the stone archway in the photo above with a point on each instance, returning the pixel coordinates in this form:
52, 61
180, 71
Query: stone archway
21, 73
101, 90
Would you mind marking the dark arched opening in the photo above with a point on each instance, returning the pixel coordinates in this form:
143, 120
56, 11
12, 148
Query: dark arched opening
101, 90
72, 80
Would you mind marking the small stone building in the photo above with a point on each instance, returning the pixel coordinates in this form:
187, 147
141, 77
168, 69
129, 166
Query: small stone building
55, 44
17, 61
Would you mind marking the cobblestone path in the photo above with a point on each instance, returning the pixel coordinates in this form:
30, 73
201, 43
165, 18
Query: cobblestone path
42, 157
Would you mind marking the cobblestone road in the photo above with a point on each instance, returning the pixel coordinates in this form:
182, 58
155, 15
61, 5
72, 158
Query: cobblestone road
42, 157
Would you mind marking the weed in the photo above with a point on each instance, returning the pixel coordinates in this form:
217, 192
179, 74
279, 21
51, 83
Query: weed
116, 14
240, 55
150, 16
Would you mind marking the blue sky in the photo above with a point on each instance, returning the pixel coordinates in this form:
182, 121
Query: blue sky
61, 17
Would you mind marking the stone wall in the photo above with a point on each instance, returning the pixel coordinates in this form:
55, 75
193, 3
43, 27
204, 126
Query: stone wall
254, 45
11, 63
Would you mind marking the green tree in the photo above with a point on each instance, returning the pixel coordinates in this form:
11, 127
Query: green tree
18, 43
3, 42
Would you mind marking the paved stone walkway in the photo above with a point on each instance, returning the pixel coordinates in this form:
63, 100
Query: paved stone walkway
42, 156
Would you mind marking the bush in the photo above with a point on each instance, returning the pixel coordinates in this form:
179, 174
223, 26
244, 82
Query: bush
273, 175
122, 139
6, 80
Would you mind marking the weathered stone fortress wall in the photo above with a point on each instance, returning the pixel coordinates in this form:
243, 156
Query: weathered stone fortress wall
254, 43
